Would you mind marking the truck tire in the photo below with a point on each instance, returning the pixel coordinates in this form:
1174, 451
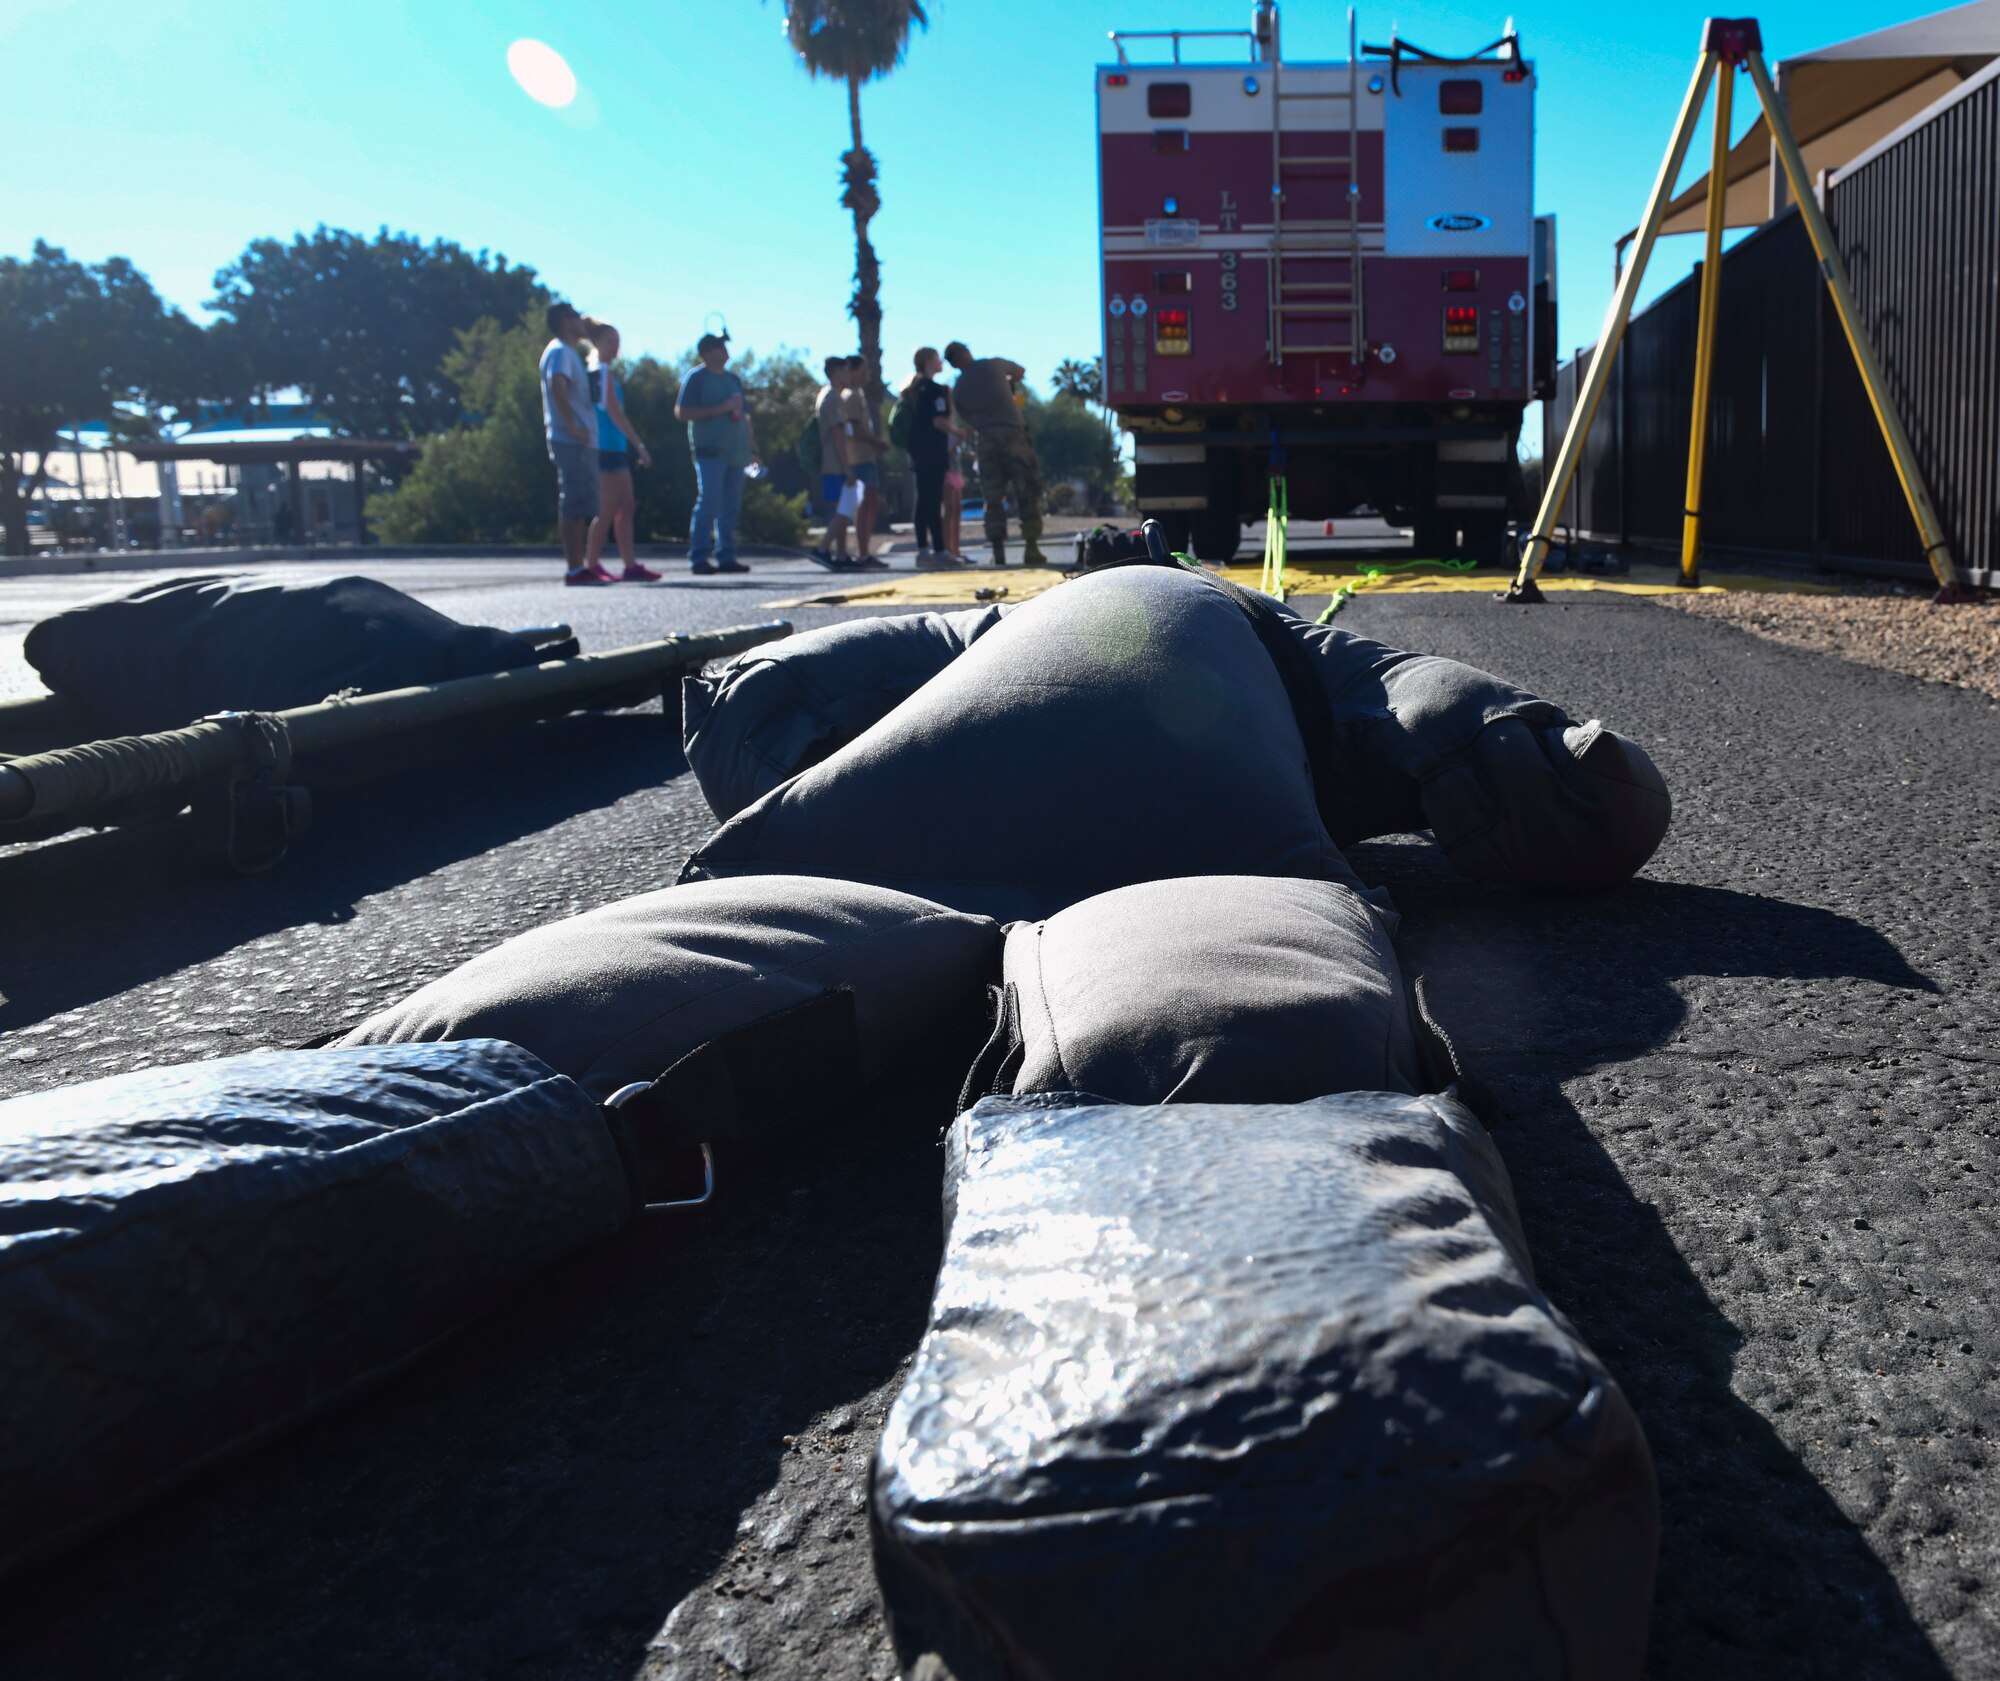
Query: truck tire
1433, 536
1485, 544
1215, 534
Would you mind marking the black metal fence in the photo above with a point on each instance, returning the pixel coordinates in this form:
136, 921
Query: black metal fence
1796, 466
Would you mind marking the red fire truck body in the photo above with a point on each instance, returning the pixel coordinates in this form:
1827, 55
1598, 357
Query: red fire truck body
1331, 271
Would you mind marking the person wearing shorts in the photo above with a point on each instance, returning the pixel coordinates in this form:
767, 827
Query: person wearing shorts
569, 426
832, 465
865, 448
617, 444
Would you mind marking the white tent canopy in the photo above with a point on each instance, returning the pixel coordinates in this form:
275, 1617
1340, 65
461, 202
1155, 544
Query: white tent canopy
1843, 99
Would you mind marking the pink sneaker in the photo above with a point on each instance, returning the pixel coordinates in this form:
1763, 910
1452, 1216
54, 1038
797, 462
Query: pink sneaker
639, 573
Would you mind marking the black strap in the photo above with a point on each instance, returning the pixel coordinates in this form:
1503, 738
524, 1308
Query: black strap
993, 1070
1443, 1067
758, 1084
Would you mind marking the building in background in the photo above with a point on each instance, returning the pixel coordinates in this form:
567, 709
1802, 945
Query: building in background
275, 477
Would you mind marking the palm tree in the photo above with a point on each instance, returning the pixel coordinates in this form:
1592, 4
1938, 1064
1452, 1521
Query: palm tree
856, 41
1080, 379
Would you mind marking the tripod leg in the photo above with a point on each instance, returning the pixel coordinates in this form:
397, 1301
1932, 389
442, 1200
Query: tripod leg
1540, 541
1704, 350
1937, 548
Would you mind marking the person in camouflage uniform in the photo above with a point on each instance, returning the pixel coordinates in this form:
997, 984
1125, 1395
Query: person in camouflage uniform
984, 398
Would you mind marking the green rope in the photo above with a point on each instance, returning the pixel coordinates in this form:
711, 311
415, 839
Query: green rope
1376, 573
1272, 579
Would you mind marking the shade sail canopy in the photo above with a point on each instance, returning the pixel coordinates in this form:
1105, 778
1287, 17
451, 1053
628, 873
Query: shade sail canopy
276, 452
1843, 99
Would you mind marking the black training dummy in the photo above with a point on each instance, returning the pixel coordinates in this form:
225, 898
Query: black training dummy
192, 1258
1513, 788
1237, 1364
165, 654
1256, 1391
1125, 726
775, 710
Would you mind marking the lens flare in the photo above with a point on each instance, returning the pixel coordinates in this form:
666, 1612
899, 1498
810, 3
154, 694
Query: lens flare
543, 73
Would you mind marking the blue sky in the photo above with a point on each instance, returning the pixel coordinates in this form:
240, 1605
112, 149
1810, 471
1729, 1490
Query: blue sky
697, 171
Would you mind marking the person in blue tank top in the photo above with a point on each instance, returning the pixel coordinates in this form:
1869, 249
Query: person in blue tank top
617, 444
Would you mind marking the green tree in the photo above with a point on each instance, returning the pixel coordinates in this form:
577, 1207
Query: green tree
363, 326
81, 342
1076, 445
857, 41
665, 491
779, 392
1080, 379
488, 480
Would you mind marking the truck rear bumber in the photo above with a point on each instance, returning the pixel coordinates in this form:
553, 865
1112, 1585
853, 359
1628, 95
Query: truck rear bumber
1300, 251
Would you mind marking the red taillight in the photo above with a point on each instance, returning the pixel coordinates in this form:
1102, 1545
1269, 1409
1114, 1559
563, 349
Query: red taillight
1461, 317
1179, 317
1117, 79
1170, 333
1518, 73
1461, 280
1461, 140
1461, 96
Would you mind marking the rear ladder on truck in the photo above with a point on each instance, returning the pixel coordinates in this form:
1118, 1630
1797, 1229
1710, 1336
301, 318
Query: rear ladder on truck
1309, 314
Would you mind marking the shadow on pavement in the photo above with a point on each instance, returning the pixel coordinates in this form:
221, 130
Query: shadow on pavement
95, 913
1761, 1573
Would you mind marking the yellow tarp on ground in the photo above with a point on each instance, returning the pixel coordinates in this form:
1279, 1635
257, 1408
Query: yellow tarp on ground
1305, 576
934, 589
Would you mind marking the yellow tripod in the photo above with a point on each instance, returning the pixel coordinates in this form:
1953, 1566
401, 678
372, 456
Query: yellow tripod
1727, 44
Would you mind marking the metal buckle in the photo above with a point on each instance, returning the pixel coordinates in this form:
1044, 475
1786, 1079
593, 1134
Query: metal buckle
624, 1095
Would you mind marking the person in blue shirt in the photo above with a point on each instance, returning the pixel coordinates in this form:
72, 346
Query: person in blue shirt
711, 402
570, 427
617, 444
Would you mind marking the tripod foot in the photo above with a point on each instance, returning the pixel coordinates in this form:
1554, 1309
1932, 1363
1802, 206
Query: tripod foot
1527, 593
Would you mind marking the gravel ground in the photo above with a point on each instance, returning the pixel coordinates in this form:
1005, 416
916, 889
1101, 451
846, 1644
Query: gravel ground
1750, 1120
1878, 627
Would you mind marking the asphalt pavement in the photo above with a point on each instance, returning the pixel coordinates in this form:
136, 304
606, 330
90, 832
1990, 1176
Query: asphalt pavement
1749, 1112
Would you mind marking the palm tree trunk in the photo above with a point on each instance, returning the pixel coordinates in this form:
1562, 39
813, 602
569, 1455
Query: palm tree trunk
862, 199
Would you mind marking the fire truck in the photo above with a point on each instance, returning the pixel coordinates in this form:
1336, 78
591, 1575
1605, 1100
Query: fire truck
1329, 272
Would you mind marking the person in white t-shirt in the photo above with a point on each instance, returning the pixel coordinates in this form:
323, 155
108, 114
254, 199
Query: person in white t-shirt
569, 422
